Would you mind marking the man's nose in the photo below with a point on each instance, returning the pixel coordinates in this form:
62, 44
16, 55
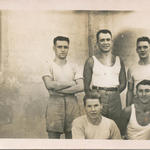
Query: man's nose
93, 108
62, 49
142, 49
143, 93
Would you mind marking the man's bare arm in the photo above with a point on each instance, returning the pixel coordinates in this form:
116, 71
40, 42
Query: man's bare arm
122, 77
124, 119
130, 90
56, 85
78, 87
87, 74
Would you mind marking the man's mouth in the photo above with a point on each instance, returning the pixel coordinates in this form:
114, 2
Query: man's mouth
106, 47
142, 54
93, 113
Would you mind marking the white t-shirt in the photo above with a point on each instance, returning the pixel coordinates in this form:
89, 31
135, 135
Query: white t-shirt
83, 129
67, 72
139, 73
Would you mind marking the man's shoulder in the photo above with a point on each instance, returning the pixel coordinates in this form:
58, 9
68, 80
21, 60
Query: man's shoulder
134, 67
107, 119
80, 119
49, 62
90, 59
109, 122
73, 66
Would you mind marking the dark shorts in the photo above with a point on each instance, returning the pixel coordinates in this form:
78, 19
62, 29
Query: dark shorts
60, 112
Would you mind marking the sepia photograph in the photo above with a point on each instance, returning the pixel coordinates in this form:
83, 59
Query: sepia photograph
74, 77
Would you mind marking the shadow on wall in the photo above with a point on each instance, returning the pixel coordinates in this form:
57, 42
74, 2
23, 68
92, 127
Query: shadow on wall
7, 100
125, 44
22, 109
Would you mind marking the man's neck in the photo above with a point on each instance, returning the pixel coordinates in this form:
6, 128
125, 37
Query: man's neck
107, 59
104, 54
95, 121
60, 62
144, 61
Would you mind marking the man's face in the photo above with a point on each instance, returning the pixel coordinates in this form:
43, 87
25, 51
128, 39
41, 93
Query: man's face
93, 108
143, 49
104, 42
143, 92
61, 49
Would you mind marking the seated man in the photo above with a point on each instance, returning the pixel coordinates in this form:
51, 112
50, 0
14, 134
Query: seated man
136, 118
93, 125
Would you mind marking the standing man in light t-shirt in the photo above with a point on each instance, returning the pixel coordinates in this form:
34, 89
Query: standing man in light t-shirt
62, 82
106, 73
139, 71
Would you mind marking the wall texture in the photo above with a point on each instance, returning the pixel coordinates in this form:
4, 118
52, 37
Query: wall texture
27, 42
26, 45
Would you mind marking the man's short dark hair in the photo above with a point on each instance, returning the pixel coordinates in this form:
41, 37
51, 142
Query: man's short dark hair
143, 82
103, 31
91, 96
143, 38
61, 38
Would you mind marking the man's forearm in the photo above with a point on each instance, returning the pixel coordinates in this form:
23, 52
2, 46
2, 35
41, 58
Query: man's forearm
56, 85
129, 98
73, 89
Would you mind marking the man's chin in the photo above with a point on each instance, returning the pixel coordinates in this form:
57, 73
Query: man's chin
106, 50
62, 58
143, 56
93, 116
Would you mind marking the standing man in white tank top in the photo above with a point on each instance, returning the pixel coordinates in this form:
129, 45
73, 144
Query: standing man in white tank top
105, 74
136, 118
139, 71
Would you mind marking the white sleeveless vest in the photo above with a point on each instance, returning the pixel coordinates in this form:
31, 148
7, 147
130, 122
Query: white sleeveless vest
136, 131
106, 76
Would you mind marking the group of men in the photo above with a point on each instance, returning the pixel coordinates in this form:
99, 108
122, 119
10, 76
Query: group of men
103, 79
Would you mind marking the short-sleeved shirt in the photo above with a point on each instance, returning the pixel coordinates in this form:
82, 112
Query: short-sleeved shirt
67, 72
83, 129
139, 73
62, 110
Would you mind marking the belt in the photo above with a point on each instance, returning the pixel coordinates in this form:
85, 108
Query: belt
105, 88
